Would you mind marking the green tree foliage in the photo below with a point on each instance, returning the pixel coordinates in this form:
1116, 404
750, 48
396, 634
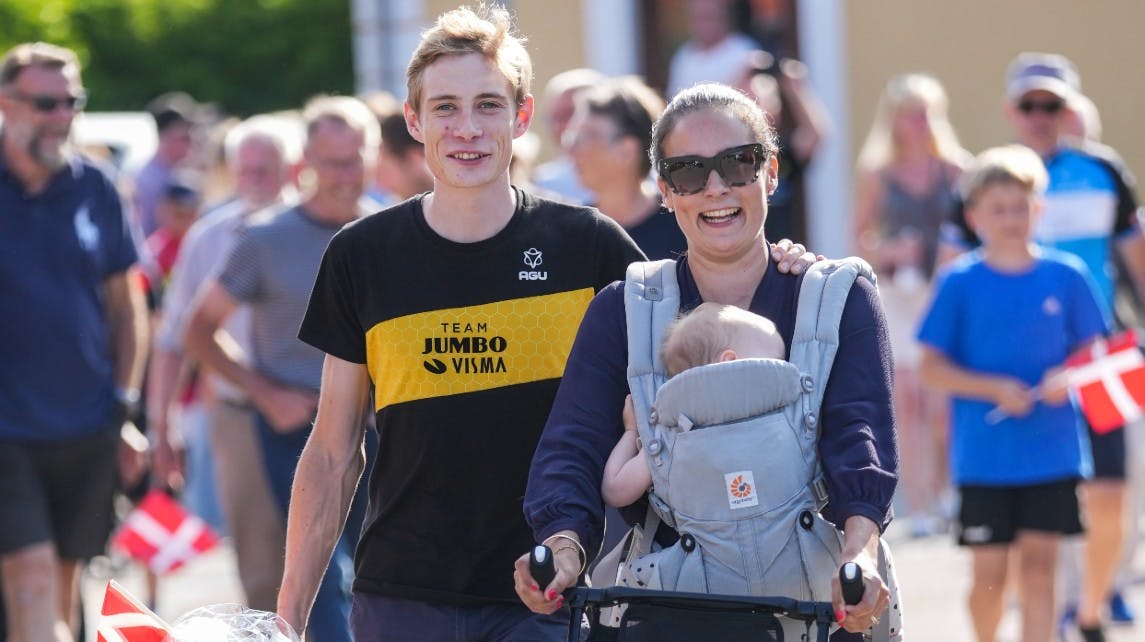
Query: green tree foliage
247, 56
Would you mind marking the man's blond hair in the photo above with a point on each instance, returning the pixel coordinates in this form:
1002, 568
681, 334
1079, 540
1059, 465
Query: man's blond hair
486, 30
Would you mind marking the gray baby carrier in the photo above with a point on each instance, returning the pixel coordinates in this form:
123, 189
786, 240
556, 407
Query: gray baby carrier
737, 475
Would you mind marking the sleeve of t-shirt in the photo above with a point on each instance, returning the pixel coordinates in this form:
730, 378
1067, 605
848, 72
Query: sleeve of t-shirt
1126, 222
122, 251
1088, 318
939, 325
857, 443
188, 273
617, 250
564, 481
332, 323
241, 274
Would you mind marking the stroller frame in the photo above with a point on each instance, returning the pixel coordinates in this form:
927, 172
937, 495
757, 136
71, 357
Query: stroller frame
582, 600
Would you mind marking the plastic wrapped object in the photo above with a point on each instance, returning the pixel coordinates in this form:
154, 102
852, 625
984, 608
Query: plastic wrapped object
230, 623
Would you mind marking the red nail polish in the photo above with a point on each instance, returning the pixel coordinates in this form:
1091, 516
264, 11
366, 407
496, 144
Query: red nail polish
560, 601
840, 615
551, 595
536, 588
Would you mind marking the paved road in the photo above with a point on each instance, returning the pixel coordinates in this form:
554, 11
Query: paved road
934, 575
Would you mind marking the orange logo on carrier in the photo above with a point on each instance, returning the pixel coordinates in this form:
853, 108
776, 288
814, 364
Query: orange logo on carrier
739, 487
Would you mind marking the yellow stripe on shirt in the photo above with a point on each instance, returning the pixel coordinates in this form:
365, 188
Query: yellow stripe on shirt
459, 350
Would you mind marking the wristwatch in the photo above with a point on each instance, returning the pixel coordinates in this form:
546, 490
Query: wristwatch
126, 404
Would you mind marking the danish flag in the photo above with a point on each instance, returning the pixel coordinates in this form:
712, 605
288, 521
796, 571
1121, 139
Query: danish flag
124, 619
160, 533
1108, 379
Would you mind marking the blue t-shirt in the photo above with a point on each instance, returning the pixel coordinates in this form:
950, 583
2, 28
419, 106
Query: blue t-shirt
57, 248
1019, 325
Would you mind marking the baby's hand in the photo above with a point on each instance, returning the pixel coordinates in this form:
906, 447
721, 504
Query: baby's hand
629, 414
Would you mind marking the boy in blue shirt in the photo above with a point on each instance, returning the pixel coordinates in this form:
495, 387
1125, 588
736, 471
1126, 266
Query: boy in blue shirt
1003, 320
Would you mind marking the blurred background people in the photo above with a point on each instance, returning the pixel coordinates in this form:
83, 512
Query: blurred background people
906, 187
261, 153
608, 141
177, 117
400, 171
780, 87
713, 51
271, 270
558, 176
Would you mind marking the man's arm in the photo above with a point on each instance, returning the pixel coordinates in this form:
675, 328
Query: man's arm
128, 325
324, 484
285, 408
127, 320
162, 378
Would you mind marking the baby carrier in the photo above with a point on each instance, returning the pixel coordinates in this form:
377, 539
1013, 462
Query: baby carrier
737, 475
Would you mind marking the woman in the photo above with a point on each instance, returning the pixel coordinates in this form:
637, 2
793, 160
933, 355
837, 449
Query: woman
908, 170
608, 141
722, 217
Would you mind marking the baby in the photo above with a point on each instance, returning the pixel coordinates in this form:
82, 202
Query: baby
709, 334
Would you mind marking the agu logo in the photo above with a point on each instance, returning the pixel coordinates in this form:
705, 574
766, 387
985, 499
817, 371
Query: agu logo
740, 487
532, 260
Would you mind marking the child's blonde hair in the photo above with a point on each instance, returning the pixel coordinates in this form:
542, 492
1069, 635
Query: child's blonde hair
700, 336
1012, 164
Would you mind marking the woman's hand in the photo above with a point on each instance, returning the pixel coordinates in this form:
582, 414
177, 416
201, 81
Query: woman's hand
548, 599
792, 257
876, 597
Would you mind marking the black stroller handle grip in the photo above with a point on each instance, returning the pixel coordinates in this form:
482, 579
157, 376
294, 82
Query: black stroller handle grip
851, 583
541, 565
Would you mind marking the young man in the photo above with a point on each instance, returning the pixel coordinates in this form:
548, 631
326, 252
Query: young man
1003, 320
457, 311
73, 340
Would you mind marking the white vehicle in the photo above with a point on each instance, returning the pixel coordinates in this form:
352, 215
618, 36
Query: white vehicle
127, 140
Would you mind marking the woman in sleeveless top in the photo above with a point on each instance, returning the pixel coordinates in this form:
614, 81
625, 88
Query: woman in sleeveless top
908, 170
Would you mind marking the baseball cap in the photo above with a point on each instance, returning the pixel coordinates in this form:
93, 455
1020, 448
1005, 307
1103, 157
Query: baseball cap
177, 107
1051, 72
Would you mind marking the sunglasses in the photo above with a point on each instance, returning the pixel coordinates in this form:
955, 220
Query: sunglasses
48, 104
1049, 107
737, 166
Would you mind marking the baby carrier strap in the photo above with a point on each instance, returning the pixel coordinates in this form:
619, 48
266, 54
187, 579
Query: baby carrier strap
815, 340
651, 304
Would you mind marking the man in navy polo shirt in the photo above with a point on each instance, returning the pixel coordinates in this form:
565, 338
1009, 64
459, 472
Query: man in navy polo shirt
72, 335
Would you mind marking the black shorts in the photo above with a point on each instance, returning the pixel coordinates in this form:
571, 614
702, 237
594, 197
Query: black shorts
995, 514
1109, 453
59, 491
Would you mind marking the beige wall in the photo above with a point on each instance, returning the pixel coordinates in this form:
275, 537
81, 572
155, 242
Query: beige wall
968, 45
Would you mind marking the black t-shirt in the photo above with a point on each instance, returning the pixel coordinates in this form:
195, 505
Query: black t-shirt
465, 344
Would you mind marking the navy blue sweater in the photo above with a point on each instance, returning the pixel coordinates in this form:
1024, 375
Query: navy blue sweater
857, 446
